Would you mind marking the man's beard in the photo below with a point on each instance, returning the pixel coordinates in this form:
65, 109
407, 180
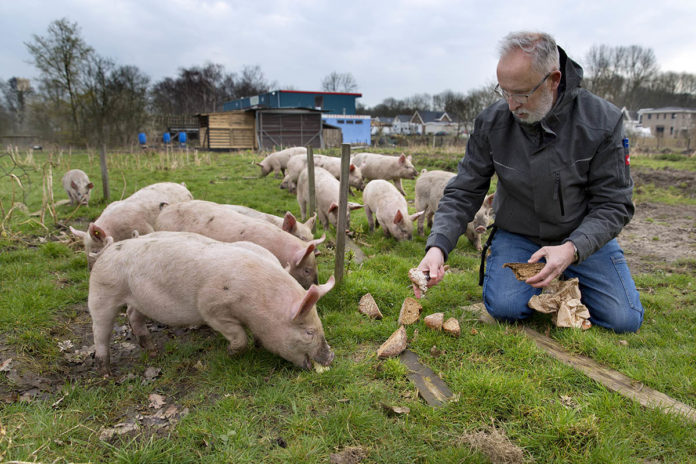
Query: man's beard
543, 107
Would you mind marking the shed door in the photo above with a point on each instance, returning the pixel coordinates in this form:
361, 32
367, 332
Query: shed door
289, 130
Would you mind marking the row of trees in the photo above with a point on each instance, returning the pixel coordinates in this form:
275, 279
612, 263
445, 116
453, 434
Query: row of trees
83, 98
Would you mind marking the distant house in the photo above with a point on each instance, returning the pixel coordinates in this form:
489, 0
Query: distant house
382, 124
433, 122
401, 124
337, 108
670, 121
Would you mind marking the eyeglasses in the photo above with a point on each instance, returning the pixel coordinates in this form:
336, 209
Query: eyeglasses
519, 98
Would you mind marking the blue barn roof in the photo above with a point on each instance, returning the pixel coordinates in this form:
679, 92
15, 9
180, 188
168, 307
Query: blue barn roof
330, 102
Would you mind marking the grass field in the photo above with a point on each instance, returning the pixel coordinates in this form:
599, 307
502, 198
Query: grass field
193, 403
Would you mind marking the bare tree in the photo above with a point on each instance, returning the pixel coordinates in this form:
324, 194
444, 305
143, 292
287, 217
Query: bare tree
618, 73
61, 56
251, 82
339, 82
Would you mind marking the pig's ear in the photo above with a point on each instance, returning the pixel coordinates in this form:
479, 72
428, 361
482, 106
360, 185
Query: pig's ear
402, 158
90, 186
319, 240
333, 206
352, 206
311, 297
310, 222
96, 232
73, 185
352, 167
78, 233
415, 216
398, 217
289, 222
302, 254
488, 201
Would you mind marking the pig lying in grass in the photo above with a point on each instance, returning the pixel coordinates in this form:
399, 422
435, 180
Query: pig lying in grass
430, 186
389, 208
77, 186
327, 191
278, 161
221, 223
130, 217
288, 223
183, 279
394, 168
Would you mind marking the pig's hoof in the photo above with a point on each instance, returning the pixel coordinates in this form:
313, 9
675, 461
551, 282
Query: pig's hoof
234, 351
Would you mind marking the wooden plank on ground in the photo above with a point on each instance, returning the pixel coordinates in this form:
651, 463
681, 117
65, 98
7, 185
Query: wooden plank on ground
613, 380
430, 387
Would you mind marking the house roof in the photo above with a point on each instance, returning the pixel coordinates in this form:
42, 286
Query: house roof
431, 116
402, 117
667, 109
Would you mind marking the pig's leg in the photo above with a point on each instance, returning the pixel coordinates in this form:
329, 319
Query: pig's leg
421, 220
303, 208
232, 331
370, 219
399, 187
103, 312
142, 335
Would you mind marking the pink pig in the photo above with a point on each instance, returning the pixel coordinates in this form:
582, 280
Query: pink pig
77, 186
390, 209
219, 222
182, 279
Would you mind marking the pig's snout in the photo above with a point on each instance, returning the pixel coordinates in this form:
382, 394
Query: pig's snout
480, 229
325, 355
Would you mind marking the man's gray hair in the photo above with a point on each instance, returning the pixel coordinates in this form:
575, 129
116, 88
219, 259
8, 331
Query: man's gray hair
539, 45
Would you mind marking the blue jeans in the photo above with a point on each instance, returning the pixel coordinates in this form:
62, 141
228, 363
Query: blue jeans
607, 288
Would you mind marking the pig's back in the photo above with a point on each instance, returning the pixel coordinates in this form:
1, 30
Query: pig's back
166, 275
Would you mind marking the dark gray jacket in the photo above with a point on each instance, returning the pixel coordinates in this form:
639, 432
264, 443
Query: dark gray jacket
564, 178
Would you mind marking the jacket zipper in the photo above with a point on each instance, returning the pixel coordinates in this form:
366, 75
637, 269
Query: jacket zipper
558, 190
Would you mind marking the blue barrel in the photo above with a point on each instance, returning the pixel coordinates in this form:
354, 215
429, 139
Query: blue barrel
166, 137
142, 138
182, 137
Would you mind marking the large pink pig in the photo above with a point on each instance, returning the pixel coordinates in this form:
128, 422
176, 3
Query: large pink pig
183, 279
222, 223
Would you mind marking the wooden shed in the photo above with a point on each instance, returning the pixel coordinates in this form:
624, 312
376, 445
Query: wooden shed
229, 130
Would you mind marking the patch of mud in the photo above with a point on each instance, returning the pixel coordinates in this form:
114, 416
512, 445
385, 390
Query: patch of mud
683, 181
659, 234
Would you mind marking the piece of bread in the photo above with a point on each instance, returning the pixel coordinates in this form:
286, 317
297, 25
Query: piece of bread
435, 321
410, 311
451, 326
419, 279
524, 271
368, 307
394, 345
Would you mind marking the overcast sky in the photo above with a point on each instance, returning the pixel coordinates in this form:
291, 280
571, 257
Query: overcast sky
392, 48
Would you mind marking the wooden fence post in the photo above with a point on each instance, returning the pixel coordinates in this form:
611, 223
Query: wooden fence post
310, 183
342, 210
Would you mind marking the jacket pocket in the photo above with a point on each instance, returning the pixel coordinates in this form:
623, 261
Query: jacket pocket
558, 191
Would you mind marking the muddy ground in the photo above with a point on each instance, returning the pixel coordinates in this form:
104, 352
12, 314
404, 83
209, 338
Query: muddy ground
661, 235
